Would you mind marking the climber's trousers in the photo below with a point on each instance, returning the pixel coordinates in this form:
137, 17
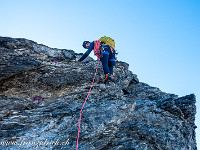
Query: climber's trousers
108, 61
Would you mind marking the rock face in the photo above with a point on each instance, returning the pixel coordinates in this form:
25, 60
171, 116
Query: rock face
42, 90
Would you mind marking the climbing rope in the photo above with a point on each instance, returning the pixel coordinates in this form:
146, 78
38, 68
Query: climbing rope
84, 105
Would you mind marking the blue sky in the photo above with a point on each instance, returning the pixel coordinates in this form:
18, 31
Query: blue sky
160, 39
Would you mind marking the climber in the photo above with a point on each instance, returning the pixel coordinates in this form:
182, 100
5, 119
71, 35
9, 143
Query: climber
107, 58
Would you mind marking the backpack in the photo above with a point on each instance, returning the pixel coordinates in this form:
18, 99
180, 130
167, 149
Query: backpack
106, 41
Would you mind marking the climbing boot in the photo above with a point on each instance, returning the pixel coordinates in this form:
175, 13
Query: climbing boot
106, 78
111, 78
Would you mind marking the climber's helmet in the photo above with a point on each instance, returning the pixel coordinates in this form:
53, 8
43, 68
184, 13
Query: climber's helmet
86, 44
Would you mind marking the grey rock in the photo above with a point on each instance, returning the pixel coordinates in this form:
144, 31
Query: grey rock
13, 63
69, 54
121, 115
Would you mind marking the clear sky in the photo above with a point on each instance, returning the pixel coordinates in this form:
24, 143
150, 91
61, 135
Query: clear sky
160, 39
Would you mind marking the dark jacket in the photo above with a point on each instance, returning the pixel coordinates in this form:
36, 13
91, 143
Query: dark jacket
87, 52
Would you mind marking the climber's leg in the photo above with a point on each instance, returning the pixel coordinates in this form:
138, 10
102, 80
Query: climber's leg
111, 65
104, 61
111, 62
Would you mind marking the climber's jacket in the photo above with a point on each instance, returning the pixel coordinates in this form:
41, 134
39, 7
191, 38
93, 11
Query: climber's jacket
107, 57
85, 55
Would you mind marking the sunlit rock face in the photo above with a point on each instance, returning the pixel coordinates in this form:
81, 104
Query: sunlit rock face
42, 91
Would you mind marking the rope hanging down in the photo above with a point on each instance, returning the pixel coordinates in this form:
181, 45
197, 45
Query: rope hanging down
84, 105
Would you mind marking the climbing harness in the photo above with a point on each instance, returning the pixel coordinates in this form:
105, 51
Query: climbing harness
84, 104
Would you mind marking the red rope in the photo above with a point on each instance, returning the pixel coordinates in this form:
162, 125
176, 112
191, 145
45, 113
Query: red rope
84, 105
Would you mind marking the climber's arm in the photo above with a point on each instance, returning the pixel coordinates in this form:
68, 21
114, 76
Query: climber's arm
87, 52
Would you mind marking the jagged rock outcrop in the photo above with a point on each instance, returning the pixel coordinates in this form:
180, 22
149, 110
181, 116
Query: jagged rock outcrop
40, 102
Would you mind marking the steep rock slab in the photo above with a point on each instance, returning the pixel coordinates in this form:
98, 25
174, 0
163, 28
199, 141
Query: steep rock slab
124, 115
